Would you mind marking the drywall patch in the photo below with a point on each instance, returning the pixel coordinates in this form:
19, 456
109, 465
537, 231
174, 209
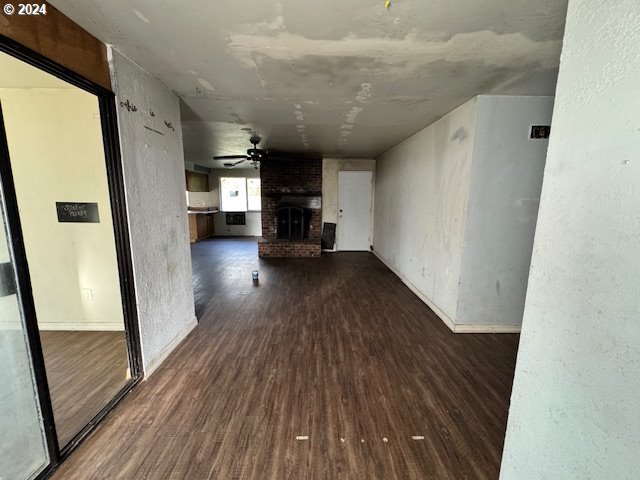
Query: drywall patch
300, 127
265, 27
138, 14
346, 129
409, 53
364, 93
206, 84
353, 114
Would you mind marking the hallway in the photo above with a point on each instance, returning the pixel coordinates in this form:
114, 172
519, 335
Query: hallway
336, 349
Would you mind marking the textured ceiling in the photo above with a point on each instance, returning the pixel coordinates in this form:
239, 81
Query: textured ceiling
344, 78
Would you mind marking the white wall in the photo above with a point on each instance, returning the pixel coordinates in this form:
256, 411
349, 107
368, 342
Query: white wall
421, 192
155, 186
253, 228
456, 208
57, 154
576, 395
503, 206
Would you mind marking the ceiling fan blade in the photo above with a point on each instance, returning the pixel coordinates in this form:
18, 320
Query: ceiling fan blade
233, 164
230, 157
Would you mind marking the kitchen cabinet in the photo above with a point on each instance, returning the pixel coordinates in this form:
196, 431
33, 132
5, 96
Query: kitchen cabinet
200, 226
197, 182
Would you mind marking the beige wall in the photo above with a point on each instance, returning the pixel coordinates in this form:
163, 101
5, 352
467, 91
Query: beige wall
330, 169
55, 145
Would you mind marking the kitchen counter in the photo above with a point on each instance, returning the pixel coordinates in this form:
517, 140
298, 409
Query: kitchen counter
203, 212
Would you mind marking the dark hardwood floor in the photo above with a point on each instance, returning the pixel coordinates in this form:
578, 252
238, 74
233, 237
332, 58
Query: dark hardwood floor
85, 370
335, 349
221, 266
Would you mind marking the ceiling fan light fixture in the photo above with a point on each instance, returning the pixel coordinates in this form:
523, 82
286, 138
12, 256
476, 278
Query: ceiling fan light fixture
253, 155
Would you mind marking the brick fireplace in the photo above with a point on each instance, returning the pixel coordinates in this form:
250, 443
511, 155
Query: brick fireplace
291, 207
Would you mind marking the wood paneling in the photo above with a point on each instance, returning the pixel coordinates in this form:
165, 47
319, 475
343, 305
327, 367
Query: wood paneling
85, 370
60, 39
336, 349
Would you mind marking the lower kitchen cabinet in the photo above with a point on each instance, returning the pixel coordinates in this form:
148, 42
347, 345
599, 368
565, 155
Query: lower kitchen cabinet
200, 226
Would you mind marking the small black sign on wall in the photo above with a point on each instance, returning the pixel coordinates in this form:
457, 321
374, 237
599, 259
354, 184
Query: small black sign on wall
77, 212
540, 131
236, 219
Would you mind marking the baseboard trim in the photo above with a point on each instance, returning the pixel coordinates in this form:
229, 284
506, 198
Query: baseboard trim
490, 328
443, 316
82, 326
455, 328
154, 364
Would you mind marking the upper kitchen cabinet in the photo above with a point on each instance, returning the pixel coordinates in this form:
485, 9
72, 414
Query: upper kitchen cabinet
197, 182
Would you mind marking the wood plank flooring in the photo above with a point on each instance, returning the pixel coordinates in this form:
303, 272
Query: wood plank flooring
85, 370
336, 349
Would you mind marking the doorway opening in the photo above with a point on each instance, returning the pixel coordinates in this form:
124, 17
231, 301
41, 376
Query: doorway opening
223, 204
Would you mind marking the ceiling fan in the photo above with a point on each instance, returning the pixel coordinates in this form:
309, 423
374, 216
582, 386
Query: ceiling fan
253, 155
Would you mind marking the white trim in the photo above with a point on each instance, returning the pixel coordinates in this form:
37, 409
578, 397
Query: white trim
450, 323
491, 328
152, 366
443, 316
82, 326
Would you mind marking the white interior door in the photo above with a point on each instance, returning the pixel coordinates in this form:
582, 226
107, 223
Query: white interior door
354, 210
